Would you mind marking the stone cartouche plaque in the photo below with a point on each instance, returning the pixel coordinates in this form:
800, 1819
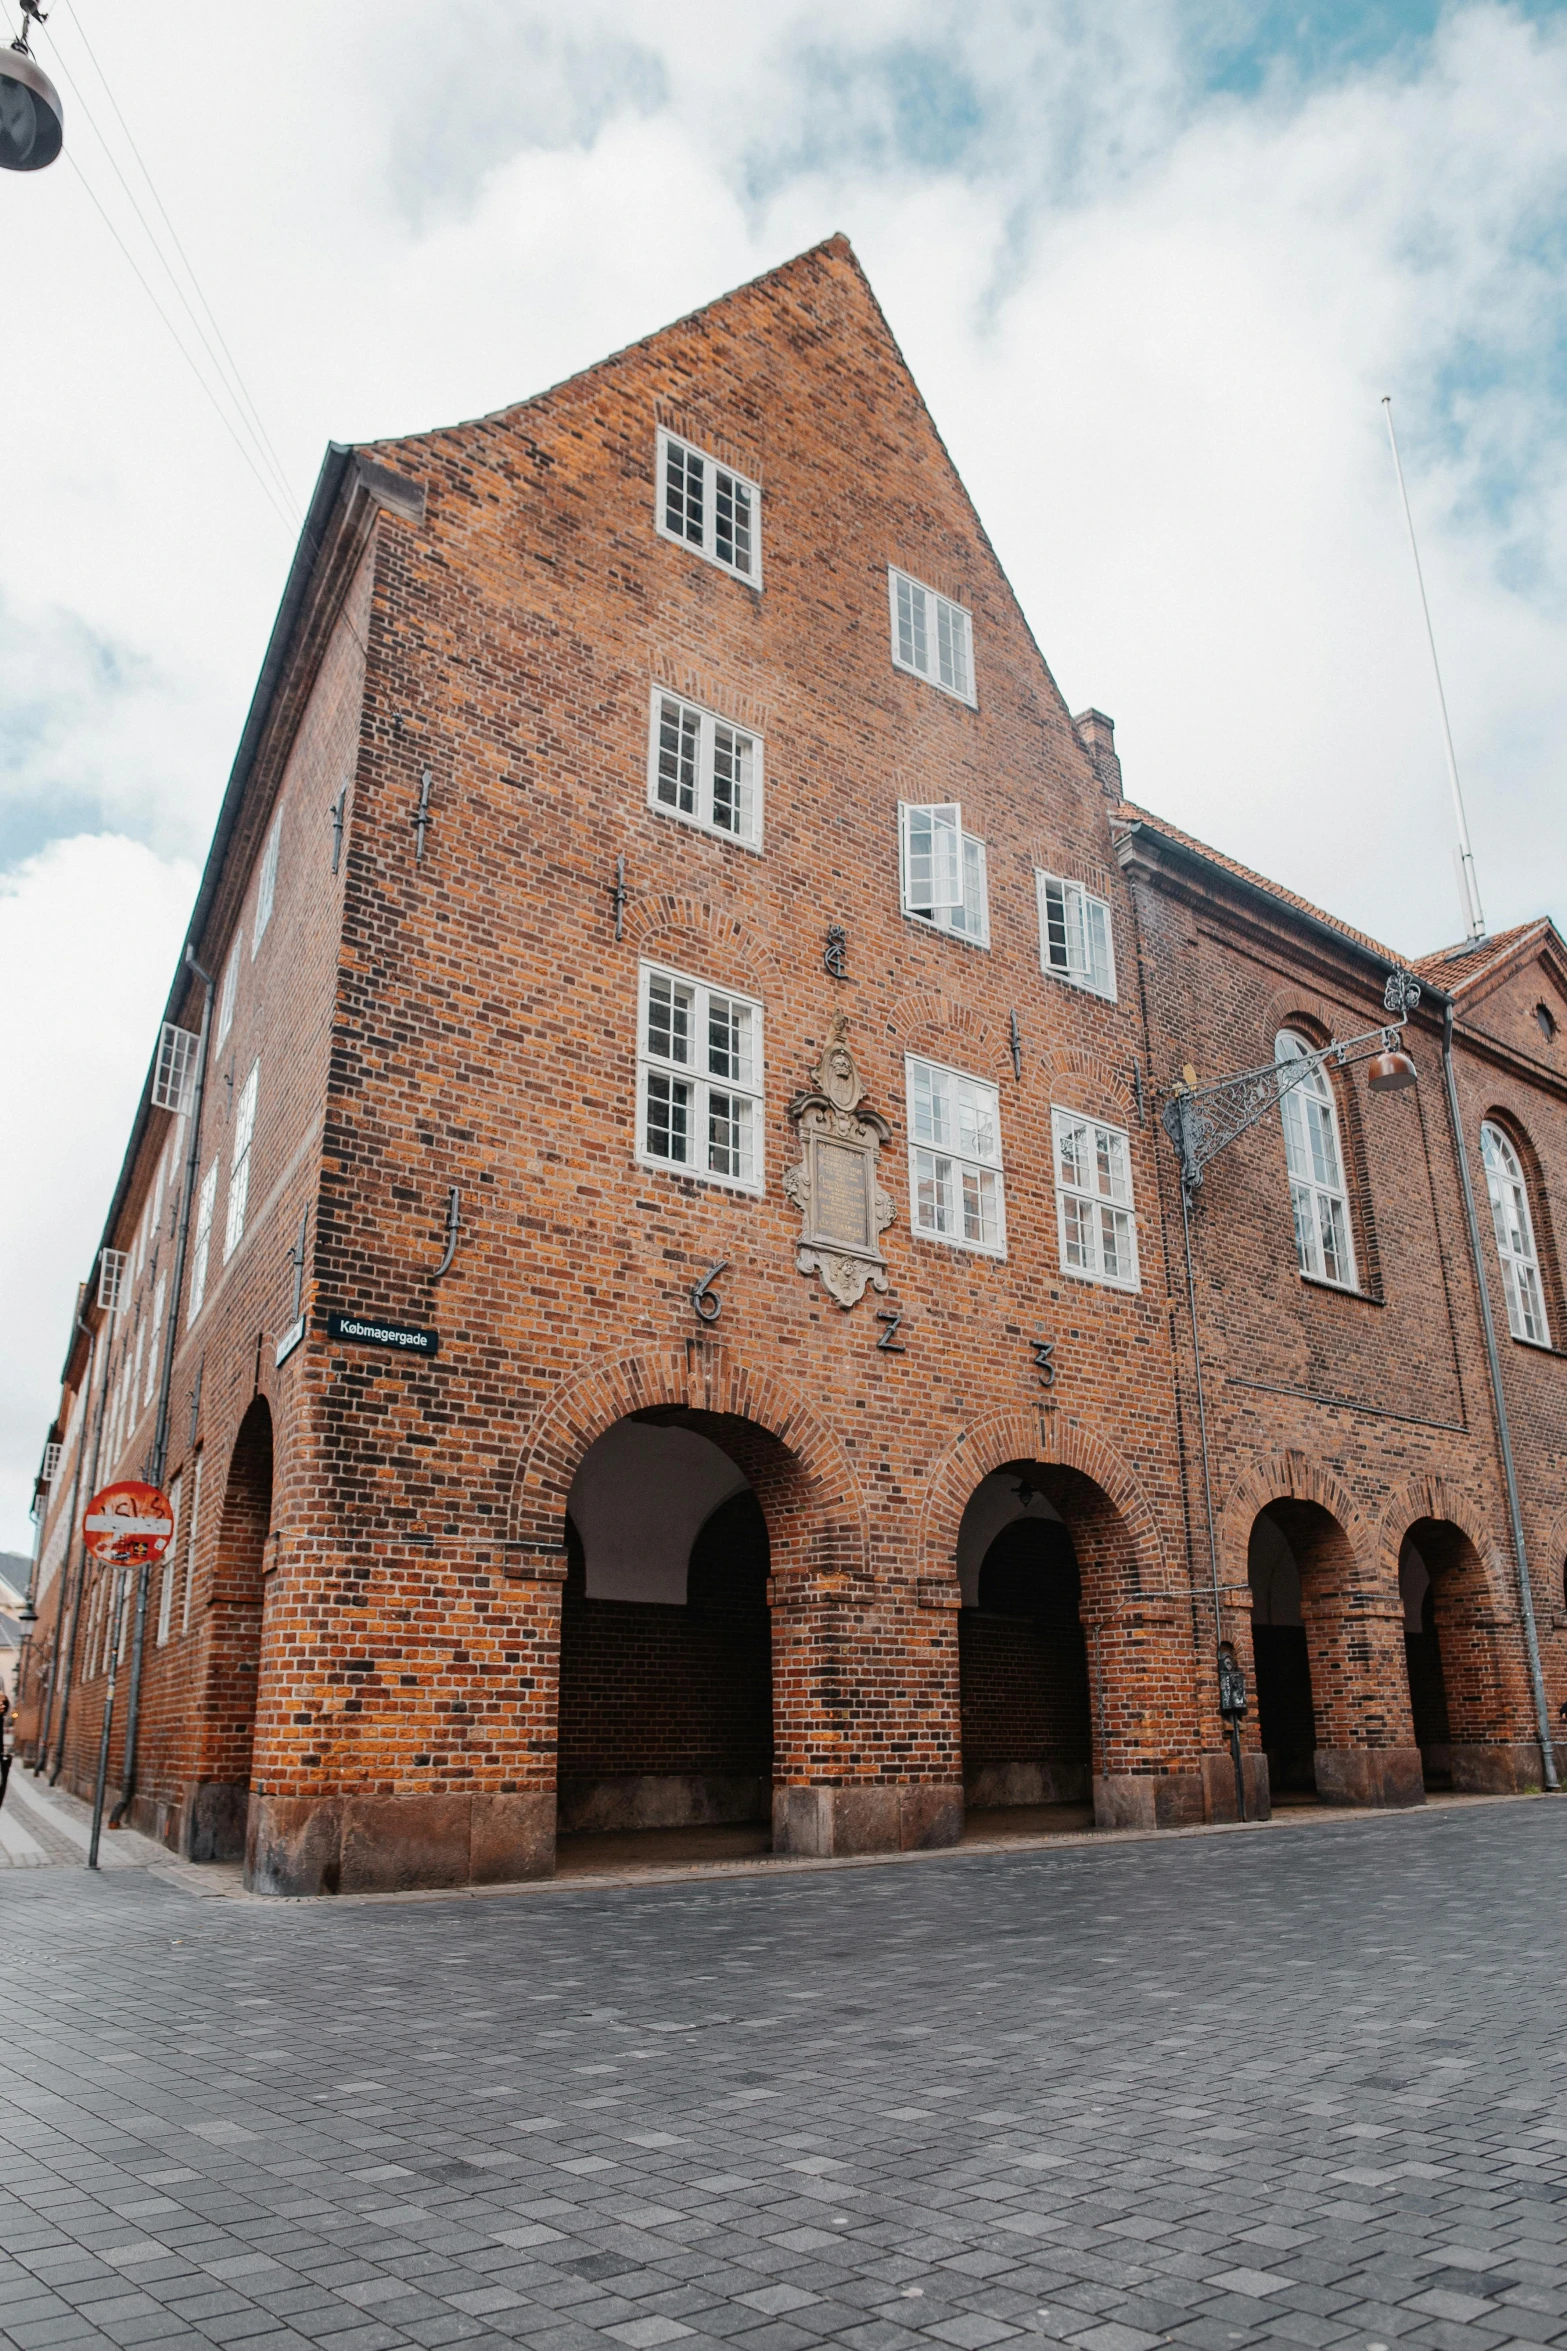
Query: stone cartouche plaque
843, 1208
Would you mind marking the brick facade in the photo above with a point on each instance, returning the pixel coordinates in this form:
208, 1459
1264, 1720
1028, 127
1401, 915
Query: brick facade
395, 1661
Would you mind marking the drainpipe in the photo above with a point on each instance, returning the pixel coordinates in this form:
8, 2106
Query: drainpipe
1504, 1434
160, 1442
81, 1565
41, 1751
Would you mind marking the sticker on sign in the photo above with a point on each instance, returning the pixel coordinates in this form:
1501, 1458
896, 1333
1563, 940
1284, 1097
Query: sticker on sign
128, 1524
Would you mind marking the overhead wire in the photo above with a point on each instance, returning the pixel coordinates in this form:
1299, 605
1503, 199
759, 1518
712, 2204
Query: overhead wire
288, 509
237, 384
286, 506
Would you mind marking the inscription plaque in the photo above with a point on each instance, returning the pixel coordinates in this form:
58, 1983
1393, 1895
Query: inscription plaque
843, 1208
839, 1190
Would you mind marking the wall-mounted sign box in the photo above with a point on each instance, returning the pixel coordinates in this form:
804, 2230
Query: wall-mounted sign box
367, 1330
289, 1341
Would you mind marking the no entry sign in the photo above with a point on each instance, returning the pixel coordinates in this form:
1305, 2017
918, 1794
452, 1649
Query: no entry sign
129, 1524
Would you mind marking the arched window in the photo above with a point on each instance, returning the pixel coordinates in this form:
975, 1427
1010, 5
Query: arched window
1316, 1167
1514, 1236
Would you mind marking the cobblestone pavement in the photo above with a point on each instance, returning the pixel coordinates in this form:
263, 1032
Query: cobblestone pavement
1305, 2084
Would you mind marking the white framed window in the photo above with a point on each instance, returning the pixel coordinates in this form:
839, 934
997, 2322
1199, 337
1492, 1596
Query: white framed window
158, 1296
1323, 1241
710, 507
266, 886
705, 769
190, 1543
1075, 938
170, 1564
201, 1250
239, 1164
1095, 1222
944, 877
956, 1186
931, 637
1504, 1180
229, 990
699, 1079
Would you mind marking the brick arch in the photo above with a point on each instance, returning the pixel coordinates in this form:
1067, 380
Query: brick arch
1021, 1434
1286, 1476
807, 1486
1548, 1572
949, 1031
1067, 1070
716, 929
1436, 1497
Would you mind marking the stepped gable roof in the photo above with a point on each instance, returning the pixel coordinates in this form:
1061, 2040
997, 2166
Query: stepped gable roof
1128, 813
1462, 968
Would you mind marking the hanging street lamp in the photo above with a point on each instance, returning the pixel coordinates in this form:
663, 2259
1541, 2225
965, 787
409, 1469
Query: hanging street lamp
32, 123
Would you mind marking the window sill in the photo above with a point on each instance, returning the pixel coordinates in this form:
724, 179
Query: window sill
997, 1256
1099, 1281
1067, 979
906, 669
748, 1189
938, 930
1314, 1281
712, 832
1536, 1346
713, 562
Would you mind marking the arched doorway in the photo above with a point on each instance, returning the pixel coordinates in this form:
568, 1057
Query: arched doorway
1286, 1721
1332, 1692
220, 1803
1423, 1655
1023, 1655
665, 1723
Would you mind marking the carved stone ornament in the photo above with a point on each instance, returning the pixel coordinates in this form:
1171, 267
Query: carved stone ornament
834, 1186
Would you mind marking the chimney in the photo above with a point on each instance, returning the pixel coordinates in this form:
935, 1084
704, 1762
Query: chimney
1098, 739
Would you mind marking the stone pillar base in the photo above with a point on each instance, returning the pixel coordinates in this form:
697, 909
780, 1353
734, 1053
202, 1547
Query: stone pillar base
1381, 1777
1151, 1800
212, 1825
1502, 1770
392, 1844
867, 1819
1218, 1786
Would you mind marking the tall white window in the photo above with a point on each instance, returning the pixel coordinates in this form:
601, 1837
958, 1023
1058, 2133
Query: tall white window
710, 507
1095, 1224
229, 990
158, 1296
190, 1543
201, 1249
1504, 1178
944, 880
699, 1079
704, 769
956, 1186
931, 637
1075, 939
239, 1164
1316, 1167
266, 887
170, 1564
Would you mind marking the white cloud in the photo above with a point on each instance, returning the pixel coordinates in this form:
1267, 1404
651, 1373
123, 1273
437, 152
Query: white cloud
89, 931
1153, 318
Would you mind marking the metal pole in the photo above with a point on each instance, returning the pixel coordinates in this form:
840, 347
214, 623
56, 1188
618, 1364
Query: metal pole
81, 1566
108, 1716
1473, 917
160, 1442
1542, 1711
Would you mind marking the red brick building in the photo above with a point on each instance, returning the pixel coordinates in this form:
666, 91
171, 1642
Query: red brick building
683, 1316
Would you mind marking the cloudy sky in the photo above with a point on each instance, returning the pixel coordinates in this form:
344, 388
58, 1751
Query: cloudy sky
1153, 263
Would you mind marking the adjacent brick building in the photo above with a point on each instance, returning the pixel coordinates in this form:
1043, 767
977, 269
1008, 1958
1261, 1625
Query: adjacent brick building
685, 1316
